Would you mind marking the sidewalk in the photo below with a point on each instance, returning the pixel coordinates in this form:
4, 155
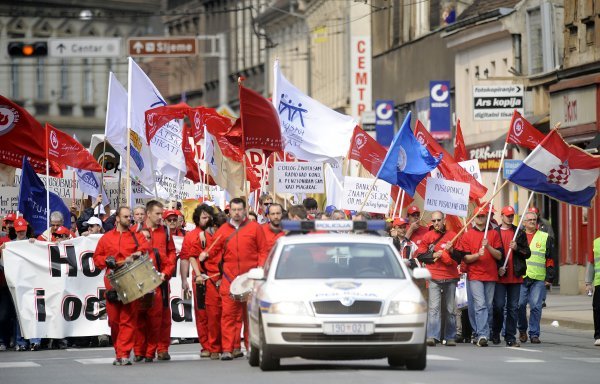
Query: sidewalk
570, 311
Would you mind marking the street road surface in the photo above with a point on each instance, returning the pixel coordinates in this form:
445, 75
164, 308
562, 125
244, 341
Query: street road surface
564, 355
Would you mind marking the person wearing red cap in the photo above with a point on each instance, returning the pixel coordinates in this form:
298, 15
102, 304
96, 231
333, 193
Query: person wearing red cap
153, 334
442, 286
481, 256
508, 287
241, 245
207, 301
115, 247
171, 219
415, 230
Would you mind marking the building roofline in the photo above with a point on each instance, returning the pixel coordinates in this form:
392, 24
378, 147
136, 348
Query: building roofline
478, 19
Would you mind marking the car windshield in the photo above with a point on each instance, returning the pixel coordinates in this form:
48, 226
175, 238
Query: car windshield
338, 260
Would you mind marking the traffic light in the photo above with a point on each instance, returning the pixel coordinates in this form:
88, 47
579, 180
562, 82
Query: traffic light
22, 49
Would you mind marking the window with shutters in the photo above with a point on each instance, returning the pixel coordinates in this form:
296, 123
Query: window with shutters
534, 22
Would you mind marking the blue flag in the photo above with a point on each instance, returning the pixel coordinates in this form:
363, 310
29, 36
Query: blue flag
407, 161
32, 200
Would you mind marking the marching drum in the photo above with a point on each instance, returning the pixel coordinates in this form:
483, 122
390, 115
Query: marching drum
134, 280
241, 288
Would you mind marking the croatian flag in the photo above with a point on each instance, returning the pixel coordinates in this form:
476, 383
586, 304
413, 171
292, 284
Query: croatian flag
559, 170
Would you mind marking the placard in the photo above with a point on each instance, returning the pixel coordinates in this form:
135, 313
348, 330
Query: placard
471, 166
304, 177
447, 196
9, 199
356, 190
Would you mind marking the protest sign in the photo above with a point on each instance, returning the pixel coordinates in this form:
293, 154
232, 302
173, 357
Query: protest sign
299, 177
9, 199
447, 196
471, 166
356, 190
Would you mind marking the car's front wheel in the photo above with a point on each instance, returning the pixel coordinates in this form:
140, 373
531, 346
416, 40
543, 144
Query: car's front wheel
253, 355
419, 362
396, 361
266, 360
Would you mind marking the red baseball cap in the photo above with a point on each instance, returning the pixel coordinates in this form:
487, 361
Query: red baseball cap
508, 210
21, 224
413, 209
10, 217
63, 231
534, 210
399, 221
170, 212
484, 209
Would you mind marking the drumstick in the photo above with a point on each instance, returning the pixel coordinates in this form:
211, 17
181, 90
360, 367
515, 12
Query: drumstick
213, 244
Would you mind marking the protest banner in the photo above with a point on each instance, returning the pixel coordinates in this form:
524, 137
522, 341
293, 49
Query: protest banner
59, 293
299, 177
471, 166
447, 196
63, 186
9, 199
356, 190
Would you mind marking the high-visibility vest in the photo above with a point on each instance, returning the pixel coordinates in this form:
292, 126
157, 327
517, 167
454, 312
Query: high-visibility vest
597, 262
536, 264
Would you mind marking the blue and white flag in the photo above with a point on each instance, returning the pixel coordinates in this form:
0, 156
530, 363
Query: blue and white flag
310, 130
32, 200
90, 185
559, 170
407, 161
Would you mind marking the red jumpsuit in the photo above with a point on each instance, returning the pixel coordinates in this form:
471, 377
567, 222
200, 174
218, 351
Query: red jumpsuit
191, 248
241, 249
271, 236
153, 333
121, 317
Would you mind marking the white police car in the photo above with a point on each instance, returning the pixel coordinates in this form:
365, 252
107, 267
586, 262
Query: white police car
337, 296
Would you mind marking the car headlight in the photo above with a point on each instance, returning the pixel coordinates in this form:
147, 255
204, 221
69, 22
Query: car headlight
296, 308
406, 308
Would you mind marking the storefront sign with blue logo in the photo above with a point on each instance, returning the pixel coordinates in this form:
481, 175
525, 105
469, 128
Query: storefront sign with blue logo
439, 110
384, 122
510, 167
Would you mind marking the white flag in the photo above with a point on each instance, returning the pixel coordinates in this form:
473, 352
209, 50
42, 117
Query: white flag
311, 131
165, 146
115, 130
334, 189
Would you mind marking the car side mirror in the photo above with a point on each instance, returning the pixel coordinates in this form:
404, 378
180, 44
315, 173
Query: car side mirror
256, 274
421, 273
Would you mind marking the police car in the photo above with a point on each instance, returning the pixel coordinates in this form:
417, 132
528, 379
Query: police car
338, 295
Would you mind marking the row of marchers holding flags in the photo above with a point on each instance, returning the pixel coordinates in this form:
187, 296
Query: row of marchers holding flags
306, 148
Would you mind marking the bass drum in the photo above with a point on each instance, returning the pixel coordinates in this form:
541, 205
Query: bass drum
134, 280
241, 288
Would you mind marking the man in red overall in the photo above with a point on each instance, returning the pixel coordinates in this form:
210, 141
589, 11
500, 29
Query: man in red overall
115, 247
241, 245
207, 308
161, 243
273, 229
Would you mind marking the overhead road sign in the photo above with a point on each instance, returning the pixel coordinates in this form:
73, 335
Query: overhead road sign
163, 46
84, 47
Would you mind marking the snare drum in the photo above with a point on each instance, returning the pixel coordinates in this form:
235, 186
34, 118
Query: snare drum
241, 288
134, 280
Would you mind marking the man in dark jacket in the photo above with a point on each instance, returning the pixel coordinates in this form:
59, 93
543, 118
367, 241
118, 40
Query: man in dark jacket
506, 294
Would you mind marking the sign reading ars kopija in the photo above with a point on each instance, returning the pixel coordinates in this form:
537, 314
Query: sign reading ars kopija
163, 46
299, 177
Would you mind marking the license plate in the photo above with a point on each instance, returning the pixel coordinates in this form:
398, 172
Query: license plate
348, 328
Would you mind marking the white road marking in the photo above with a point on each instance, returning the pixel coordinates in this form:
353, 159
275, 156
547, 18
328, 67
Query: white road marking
523, 349
89, 349
584, 359
100, 360
19, 364
440, 358
185, 357
524, 361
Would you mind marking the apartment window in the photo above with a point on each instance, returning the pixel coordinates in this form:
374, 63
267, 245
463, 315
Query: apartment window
64, 81
14, 81
88, 86
590, 32
40, 77
573, 39
540, 32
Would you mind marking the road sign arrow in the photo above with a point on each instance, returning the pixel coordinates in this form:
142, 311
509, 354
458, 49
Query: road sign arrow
61, 47
138, 46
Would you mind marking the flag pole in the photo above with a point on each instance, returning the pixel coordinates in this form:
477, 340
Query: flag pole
48, 185
401, 200
102, 165
368, 194
518, 228
479, 209
489, 217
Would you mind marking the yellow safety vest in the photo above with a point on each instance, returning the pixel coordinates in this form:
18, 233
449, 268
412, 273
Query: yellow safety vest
536, 264
597, 262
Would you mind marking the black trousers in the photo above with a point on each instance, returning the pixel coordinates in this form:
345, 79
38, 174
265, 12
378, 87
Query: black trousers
596, 308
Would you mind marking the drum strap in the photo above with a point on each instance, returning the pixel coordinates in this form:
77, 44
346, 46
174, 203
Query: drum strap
242, 225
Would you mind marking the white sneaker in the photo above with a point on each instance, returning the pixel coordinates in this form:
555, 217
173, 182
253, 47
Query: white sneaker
597, 343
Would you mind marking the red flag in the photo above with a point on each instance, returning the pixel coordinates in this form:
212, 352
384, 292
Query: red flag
448, 167
366, 150
522, 133
65, 150
159, 116
260, 122
216, 124
21, 135
460, 151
